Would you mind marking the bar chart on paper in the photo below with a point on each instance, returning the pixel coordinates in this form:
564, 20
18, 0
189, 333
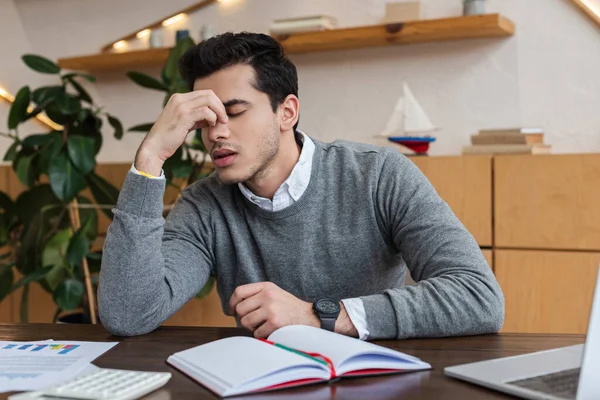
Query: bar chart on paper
60, 349
31, 365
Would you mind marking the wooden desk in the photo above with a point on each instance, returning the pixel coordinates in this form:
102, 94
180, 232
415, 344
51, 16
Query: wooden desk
149, 352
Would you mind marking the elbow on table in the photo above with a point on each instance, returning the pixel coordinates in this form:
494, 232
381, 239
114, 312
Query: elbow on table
123, 323
492, 318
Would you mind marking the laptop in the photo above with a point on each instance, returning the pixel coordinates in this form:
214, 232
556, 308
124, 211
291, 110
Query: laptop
564, 373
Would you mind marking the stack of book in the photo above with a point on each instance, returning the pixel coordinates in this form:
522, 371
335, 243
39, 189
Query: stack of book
508, 141
302, 24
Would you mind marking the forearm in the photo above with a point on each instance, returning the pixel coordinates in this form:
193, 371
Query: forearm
451, 303
138, 290
456, 291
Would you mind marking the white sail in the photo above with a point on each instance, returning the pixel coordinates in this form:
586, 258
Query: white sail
415, 119
408, 117
396, 121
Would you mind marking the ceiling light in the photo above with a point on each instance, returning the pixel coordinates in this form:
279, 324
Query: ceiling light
173, 20
143, 34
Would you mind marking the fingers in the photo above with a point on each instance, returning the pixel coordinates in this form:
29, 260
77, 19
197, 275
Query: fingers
203, 117
265, 330
200, 99
248, 305
254, 319
243, 292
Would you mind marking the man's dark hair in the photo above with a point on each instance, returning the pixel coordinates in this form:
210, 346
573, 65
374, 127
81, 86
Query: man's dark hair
276, 75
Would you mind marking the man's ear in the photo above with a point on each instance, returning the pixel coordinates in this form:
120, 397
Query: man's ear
288, 111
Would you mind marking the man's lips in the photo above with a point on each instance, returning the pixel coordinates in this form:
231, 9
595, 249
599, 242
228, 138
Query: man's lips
223, 157
222, 153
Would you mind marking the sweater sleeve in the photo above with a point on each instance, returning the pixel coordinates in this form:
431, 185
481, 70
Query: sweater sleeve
456, 291
150, 266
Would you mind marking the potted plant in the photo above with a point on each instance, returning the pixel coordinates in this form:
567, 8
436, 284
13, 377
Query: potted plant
47, 232
189, 163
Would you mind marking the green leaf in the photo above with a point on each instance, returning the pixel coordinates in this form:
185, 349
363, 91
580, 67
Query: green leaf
47, 94
32, 277
54, 255
68, 104
141, 128
147, 81
78, 246
205, 291
6, 204
25, 169
94, 262
182, 168
117, 126
103, 192
11, 153
36, 140
6, 281
49, 150
81, 152
40, 64
30, 203
66, 181
68, 294
172, 64
88, 77
83, 94
18, 110
179, 86
54, 112
92, 214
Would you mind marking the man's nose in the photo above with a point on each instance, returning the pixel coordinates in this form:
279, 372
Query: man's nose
219, 132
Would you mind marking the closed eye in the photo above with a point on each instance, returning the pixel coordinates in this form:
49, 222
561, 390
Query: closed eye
233, 115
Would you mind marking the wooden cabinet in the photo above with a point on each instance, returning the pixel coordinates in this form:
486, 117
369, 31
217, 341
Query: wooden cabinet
202, 312
465, 183
547, 202
536, 217
546, 291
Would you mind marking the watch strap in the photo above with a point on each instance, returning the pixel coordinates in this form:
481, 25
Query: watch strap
328, 323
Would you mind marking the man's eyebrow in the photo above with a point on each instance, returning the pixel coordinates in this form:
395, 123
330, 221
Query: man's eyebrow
233, 102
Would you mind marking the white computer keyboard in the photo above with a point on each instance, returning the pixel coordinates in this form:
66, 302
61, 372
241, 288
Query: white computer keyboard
102, 384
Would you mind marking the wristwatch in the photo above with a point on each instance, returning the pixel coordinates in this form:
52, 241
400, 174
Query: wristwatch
327, 310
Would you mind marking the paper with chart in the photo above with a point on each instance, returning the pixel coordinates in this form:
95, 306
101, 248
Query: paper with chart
34, 365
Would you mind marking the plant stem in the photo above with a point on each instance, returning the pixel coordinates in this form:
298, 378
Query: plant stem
55, 317
24, 312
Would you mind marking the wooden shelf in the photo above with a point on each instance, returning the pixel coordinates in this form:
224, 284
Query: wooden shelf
424, 31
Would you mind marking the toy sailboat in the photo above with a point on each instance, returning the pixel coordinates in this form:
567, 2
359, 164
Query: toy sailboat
409, 125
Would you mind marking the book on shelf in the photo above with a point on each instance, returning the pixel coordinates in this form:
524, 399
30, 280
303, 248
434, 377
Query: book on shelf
291, 356
512, 131
404, 11
530, 138
302, 24
535, 148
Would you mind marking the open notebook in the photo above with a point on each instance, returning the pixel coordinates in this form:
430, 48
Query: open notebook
292, 356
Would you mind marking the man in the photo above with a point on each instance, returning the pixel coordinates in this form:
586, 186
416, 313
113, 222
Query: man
295, 230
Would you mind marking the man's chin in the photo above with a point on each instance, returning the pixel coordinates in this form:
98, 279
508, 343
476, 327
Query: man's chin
230, 178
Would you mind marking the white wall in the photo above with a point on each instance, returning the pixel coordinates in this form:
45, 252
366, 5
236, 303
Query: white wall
547, 74
13, 73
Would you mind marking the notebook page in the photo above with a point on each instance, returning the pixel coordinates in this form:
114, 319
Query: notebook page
340, 348
235, 361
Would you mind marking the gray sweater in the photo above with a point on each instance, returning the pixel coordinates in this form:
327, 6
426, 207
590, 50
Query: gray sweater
367, 215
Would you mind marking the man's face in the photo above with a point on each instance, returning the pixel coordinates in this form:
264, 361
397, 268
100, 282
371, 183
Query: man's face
244, 147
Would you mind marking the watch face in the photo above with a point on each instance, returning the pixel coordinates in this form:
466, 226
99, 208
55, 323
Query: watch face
328, 306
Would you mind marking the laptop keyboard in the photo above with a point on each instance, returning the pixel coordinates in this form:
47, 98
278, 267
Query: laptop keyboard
561, 384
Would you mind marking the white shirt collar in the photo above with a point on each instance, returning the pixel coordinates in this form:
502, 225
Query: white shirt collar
293, 187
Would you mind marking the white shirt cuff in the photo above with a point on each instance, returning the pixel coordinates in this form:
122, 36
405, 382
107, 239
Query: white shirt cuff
356, 311
135, 171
